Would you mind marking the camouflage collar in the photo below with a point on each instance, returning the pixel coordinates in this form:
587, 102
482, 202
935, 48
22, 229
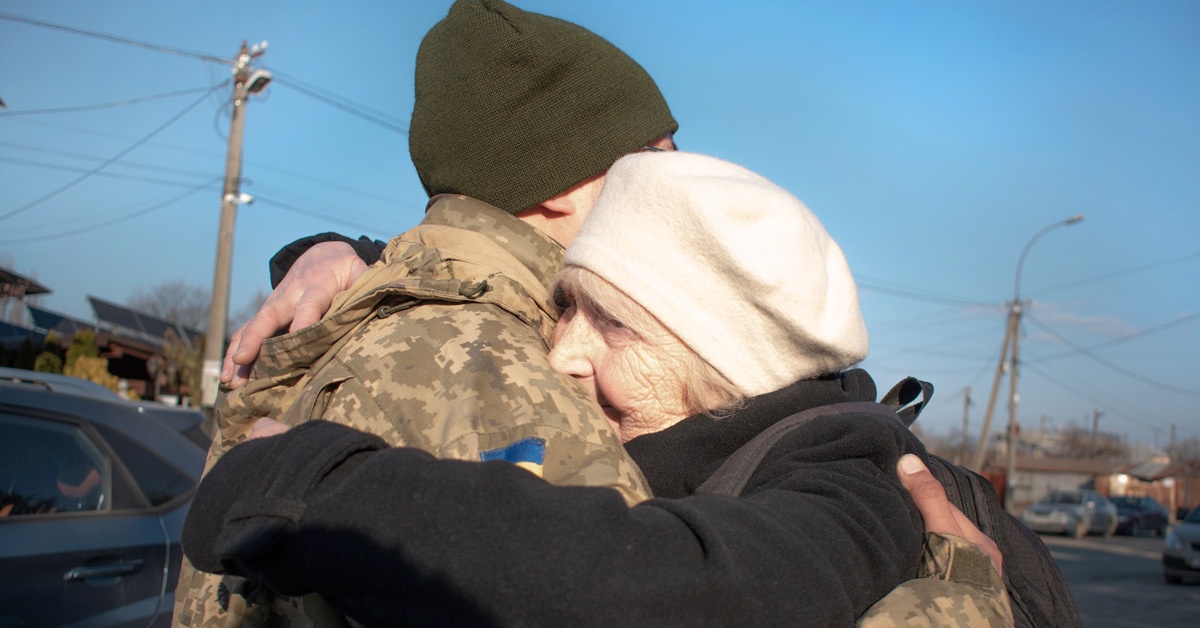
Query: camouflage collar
537, 251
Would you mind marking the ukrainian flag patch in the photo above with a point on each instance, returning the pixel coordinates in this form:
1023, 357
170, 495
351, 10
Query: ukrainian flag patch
527, 453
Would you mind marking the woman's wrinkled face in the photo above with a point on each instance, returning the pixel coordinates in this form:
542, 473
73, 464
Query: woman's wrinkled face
637, 381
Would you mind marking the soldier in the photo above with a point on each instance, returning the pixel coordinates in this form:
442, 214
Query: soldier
517, 116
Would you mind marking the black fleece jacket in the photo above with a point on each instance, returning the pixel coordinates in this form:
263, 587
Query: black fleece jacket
368, 250
392, 536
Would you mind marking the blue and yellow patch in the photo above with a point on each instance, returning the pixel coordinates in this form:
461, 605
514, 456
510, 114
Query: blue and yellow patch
527, 453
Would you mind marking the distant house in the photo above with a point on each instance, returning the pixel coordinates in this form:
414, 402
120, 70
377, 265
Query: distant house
1175, 485
14, 289
131, 341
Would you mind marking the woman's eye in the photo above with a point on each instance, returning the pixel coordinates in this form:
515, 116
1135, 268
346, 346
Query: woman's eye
561, 300
612, 322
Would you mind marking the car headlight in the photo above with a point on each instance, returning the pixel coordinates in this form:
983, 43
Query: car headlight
1123, 518
1171, 542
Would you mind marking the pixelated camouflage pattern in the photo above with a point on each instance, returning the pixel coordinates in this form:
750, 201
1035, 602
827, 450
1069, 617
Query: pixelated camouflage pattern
955, 586
442, 345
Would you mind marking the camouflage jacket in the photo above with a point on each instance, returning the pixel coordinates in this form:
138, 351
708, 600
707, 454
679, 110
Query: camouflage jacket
442, 345
956, 587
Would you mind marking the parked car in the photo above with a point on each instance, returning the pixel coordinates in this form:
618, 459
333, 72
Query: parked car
93, 494
1181, 549
1075, 513
189, 421
58, 382
1135, 514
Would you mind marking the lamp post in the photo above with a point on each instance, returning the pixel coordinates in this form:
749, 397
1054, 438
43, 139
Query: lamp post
1011, 341
1013, 399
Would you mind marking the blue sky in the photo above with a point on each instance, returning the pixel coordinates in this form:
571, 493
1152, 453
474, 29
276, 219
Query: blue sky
934, 138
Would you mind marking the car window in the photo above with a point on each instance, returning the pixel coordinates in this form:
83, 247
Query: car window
1064, 498
48, 467
160, 482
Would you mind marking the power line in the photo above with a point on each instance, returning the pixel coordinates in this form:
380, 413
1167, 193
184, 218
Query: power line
909, 294
1109, 407
120, 219
1110, 365
983, 369
336, 96
116, 136
316, 214
112, 175
924, 320
308, 178
929, 349
109, 105
1125, 338
113, 38
94, 158
351, 108
1118, 273
110, 161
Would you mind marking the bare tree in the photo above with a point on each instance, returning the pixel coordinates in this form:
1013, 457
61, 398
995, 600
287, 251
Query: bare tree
1187, 450
175, 301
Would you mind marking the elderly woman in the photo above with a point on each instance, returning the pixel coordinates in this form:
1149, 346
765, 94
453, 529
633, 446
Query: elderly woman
703, 305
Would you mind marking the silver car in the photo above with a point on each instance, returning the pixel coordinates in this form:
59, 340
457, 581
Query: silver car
1181, 549
1074, 513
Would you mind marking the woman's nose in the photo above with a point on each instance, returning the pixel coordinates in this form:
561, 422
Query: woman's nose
569, 355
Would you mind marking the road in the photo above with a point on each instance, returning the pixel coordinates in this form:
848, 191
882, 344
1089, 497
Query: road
1119, 583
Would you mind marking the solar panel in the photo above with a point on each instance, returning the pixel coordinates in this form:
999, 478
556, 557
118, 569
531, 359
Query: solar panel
63, 324
137, 323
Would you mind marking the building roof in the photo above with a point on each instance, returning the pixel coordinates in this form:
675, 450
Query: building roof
11, 284
126, 322
1062, 465
44, 321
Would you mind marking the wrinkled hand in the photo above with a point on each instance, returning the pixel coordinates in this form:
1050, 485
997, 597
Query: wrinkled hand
300, 300
937, 511
265, 427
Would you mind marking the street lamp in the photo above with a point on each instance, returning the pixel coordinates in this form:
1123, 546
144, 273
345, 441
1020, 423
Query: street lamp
1010, 468
1077, 218
1011, 336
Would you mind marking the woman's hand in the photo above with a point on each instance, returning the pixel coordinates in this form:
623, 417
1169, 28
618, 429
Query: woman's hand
937, 511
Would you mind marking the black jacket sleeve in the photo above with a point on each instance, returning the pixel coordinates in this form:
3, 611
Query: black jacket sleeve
392, 536
369, 250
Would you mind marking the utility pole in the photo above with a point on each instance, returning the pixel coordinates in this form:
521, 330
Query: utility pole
1096, 414
1010, 469
962, 455
246, 81
981, 451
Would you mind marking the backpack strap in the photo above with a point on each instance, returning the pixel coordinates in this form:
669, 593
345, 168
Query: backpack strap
733, 475
903, 394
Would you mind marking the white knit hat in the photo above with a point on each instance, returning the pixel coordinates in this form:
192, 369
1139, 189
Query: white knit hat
738, 268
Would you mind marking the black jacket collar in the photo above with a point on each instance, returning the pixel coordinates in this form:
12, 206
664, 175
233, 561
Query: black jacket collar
680, 458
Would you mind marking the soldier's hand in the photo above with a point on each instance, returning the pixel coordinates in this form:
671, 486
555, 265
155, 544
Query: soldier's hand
937, 511
300, 300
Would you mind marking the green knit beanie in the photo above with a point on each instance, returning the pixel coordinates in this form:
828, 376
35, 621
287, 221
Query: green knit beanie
513, 107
